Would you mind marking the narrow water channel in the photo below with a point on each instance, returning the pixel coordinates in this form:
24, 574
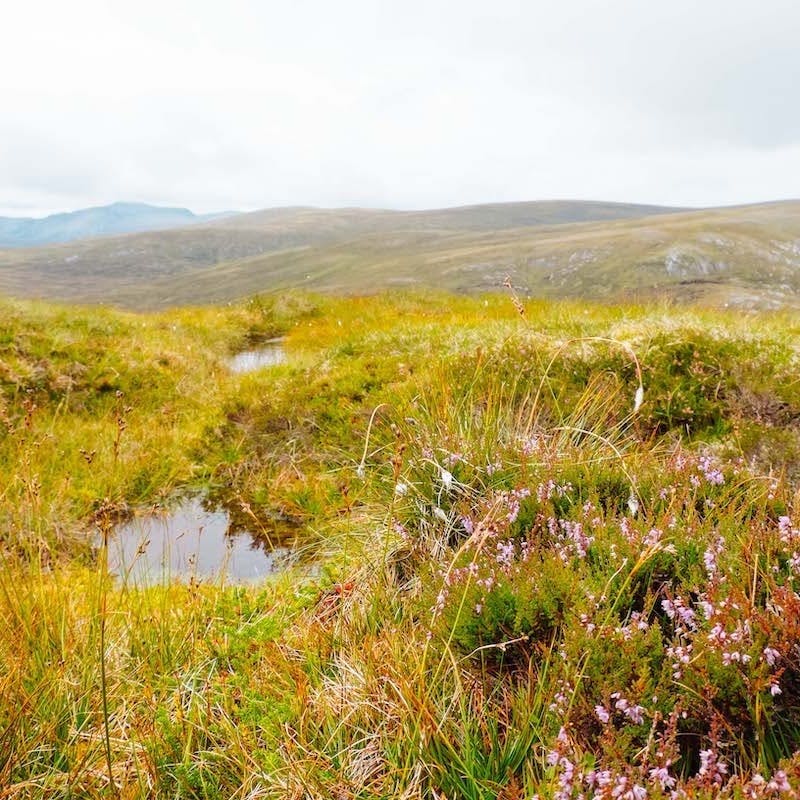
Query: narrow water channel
191, 541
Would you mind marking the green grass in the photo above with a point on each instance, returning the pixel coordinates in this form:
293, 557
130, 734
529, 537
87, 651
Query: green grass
506, 540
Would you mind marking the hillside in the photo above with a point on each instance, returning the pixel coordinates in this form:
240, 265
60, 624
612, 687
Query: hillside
116, 218
746, 256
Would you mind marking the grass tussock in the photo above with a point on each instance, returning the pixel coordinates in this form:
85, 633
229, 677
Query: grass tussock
557, 547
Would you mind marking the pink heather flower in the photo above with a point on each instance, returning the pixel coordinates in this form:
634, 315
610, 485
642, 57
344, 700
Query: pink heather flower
785, 528
530, 445
604, 778
717, 634
775, 689
676, 608
601, 712
711, 473
779, 783
620, 785
661, 774
638, 619
711, 767
755, 786
771, 655
626, 529
710, 557
400, 530
708, 609
653, 537
635, 714
505, 553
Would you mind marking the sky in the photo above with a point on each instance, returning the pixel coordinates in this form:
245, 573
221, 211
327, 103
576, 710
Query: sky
240, 105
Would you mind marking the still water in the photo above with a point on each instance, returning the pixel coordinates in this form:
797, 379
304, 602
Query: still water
188, 542
269, 354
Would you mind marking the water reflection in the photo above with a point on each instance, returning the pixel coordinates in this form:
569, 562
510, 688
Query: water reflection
188, 542
269, 354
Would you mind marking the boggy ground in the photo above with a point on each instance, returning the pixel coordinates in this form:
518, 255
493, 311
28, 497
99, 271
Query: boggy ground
559, 552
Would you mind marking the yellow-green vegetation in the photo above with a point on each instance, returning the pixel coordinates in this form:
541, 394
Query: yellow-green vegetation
557, 548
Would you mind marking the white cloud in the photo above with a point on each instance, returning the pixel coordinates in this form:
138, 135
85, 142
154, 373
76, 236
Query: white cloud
410, 104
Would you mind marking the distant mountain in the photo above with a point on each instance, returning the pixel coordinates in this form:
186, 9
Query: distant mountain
745, 256
90, 222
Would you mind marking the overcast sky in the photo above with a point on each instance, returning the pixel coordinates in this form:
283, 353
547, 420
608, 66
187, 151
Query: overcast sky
407, 104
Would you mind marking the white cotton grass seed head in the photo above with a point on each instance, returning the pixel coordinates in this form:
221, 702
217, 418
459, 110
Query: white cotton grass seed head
447, 479
439, 514
638, 399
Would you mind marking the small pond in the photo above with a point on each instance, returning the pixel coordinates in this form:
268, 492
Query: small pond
190, 541
268, 354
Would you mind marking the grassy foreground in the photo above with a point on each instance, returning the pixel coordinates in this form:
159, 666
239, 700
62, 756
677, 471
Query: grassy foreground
559, 549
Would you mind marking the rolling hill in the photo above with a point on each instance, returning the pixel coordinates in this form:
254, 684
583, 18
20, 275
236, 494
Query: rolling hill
89, 222
746, 256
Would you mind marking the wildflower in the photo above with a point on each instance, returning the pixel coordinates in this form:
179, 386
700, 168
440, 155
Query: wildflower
493, 467
401, 489
771, 655
505, 553
661, 774
710, 557
711, 768
530, 445
779, 783
621, 704
653, 537
601, 712
755, 786
635, 714
711, 473
400, 530
708, 609
717, 634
